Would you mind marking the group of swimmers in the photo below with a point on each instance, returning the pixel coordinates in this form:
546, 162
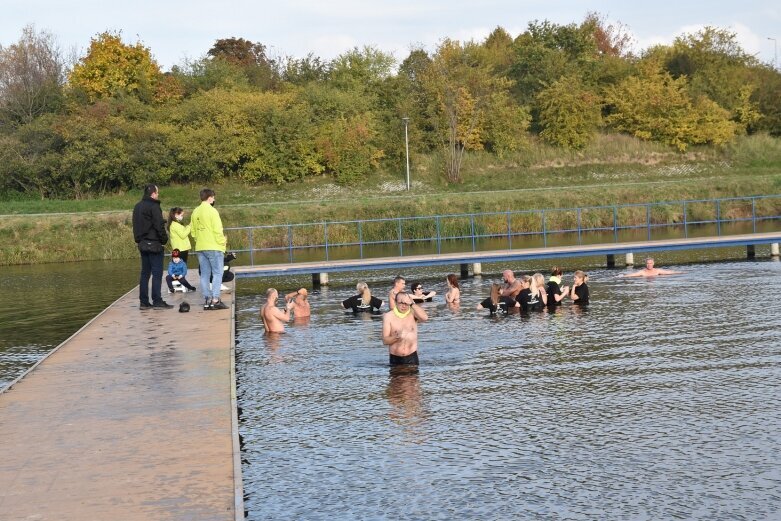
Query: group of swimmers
399, 325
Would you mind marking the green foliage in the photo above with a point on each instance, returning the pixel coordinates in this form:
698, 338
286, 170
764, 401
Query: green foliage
345, 145
237, 114
655, 106
569, 114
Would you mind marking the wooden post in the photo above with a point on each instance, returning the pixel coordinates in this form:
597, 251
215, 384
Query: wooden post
611, 261
477, 269
774, 249
630, 259
464, 271
750, 251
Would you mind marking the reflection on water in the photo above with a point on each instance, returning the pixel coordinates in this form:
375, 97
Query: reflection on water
658, 401
46, 303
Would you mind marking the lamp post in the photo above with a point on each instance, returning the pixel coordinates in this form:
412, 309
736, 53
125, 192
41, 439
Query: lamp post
775, 52
406, 146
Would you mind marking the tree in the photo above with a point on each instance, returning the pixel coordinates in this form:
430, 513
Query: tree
717, 67
655, 106
113, 68
462, 88
569, 113
248, 56
32, 73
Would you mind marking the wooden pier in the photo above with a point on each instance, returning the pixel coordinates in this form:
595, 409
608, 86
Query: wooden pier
132, 418
321, 269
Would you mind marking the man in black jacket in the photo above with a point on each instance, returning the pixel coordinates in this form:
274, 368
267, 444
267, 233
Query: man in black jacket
150, 235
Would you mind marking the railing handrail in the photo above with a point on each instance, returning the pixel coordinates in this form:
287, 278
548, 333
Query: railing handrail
505, 212
473, 234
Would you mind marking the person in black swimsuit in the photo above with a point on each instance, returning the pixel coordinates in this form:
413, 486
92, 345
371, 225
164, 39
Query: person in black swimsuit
363, 301
579, 291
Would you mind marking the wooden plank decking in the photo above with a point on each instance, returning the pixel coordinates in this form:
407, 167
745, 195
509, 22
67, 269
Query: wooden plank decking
133, 417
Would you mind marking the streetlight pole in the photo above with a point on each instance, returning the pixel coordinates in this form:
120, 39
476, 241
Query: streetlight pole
406, 146
775, 52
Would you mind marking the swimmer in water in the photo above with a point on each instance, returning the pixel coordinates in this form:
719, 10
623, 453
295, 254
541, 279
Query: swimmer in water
400, 330
300, 299
418, 295
274, 318
650, 271
453, 295
398, 286
363, 301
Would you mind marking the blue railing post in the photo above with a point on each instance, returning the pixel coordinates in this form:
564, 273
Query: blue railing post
685, 222
544, 234
718, 217
754, 214
401, 242
290, 243
579, 238
251, 248
360, 237
472, 225
439, 237
648, 219
509, 232
325, 237
615, 224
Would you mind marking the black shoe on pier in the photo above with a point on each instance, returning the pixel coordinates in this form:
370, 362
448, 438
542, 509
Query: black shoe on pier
162, 305
219, 305
145, 305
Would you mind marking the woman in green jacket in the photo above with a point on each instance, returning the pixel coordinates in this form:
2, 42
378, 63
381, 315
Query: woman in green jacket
179, 233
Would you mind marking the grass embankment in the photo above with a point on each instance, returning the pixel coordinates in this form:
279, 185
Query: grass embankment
614, 170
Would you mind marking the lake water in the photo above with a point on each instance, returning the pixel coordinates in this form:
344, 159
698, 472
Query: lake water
659, 401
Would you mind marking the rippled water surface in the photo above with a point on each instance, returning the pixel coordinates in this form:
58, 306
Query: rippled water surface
47, 303
659, 401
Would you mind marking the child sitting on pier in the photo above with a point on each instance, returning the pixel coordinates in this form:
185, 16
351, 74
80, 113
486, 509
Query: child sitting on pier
177, 272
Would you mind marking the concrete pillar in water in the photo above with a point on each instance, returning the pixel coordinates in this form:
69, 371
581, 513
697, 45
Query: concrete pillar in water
630, 259
464, 271
774, 249
750, 251
611, 261
477, 269
319, 279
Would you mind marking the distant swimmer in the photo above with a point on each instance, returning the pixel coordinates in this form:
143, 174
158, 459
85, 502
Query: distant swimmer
398, 286
274, 318
419, 295
363, 301
453, 295
300, 300
400, 330
650, 271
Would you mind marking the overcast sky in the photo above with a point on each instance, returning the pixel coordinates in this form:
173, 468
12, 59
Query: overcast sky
176, 30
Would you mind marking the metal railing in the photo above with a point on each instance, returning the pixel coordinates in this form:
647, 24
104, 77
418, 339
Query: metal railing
359, 239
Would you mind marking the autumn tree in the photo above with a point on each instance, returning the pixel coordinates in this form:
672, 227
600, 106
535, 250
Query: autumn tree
32, 73
463, 90
250, 57
717, 67
112, 68
653, 105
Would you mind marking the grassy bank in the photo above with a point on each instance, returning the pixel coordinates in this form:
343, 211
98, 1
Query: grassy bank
614, 170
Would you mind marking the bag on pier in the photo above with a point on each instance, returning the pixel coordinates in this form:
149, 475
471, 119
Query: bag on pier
147, 246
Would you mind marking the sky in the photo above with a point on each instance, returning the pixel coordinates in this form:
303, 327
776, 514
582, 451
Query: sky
176, 31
